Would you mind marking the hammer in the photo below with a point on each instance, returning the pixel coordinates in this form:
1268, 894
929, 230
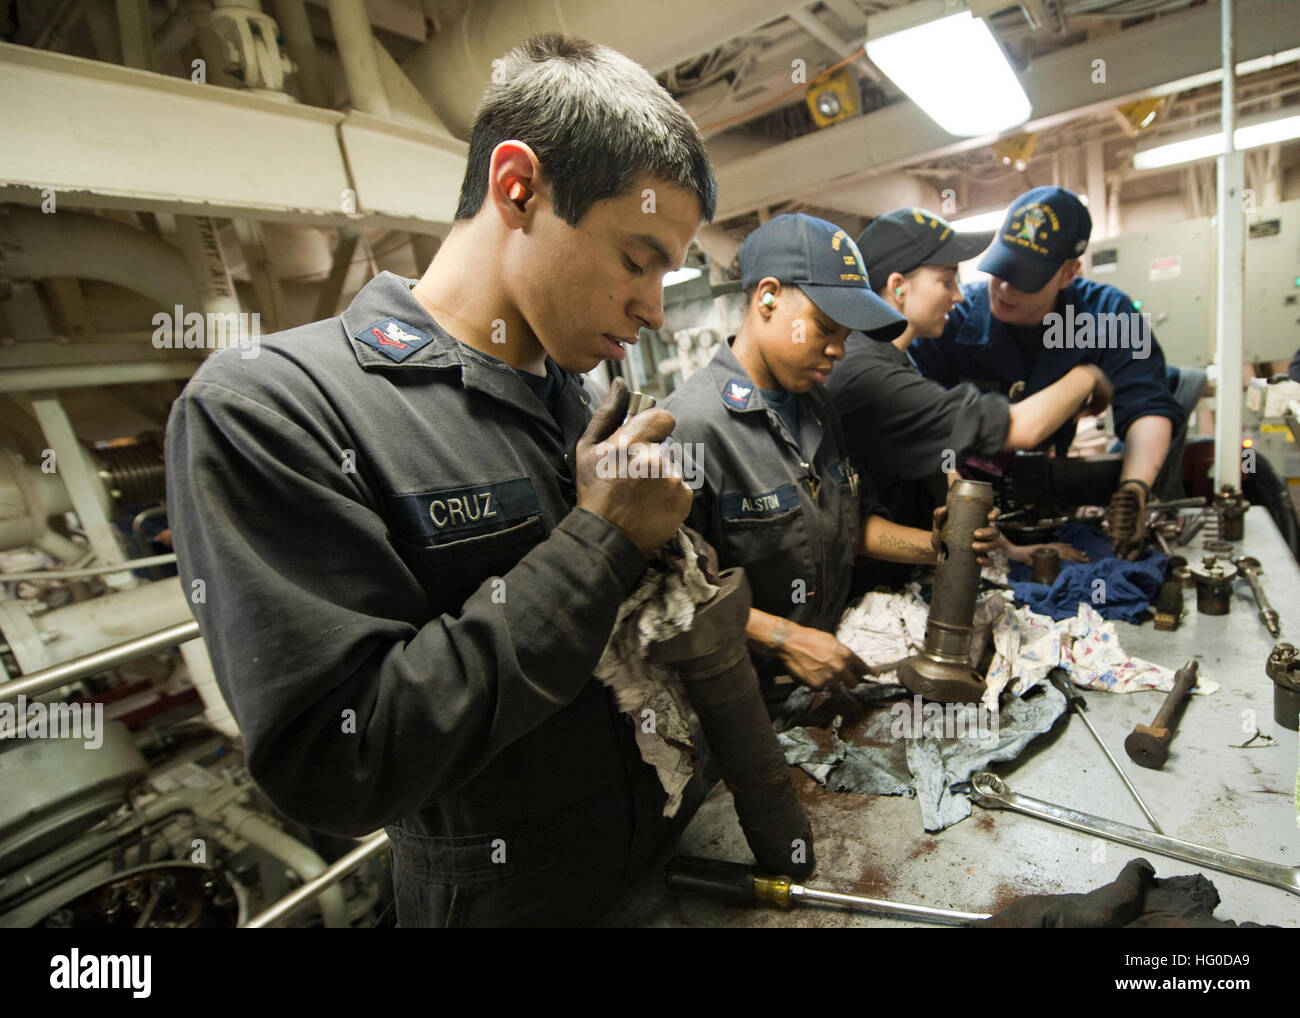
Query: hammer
1148, 745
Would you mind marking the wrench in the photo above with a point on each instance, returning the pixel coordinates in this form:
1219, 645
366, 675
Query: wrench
992, 792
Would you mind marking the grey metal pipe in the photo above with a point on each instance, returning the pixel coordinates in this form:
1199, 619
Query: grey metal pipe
61, 674
356, 45
319, 884
90, 247
291, 15
713, 661
942, 670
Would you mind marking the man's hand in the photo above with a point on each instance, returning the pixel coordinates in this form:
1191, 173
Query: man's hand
819, 660
1024, 553
1102, 391
1127, 516
648, 508
985, 539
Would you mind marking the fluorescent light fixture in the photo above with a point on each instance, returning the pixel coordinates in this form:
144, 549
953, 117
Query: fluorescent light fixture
1206, 144
950, 66
979, 221
683, 275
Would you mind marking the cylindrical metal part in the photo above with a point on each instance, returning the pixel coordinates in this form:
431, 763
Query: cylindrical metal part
1250, 568
636, 402
1148, 745
722, 686
1046, 565
1213, 585
1284, 670
942, 671
1230, 506
101, 660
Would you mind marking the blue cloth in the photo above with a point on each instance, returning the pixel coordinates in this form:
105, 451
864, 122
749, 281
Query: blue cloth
1129, 586
979, 348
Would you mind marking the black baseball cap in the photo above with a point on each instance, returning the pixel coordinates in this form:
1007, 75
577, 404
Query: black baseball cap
824, 262
1044, 229
908, 238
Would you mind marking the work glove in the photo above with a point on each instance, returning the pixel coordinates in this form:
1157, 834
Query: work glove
1127, 517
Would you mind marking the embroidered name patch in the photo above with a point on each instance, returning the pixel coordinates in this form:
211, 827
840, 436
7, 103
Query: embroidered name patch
462, 511
395, 340
736, 506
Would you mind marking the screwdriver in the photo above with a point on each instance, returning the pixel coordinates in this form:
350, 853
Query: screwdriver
1075, 701
738, 884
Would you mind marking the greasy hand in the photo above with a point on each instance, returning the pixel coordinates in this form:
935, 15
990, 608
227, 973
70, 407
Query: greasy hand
985, 539
1102, 391
1025, 552
1128, 509
648, 508
819, 660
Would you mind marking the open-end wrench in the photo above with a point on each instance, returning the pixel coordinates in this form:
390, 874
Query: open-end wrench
992, 792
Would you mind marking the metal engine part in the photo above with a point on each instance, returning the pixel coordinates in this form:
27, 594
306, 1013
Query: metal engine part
1230, 508
174, 895
1046, 565
53, 789
1250, 568
713, 661
942, 670
1284, 669
1213, 585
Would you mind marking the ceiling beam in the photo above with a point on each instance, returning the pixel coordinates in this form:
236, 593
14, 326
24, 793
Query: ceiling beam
1158, 58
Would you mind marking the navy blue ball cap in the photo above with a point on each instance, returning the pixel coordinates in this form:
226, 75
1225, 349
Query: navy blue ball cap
907, 238
1044, 229
824, 262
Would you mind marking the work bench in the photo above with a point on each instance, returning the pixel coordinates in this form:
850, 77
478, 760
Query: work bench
1241, 800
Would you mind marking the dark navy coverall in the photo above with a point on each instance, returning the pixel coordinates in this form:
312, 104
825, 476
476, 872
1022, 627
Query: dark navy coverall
404, 608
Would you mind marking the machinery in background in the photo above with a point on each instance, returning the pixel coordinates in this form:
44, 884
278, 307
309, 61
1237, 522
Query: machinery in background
158, 827
124, 800
1265, 428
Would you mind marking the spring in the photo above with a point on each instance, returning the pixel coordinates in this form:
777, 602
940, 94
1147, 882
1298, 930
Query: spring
133, 474
1122, 515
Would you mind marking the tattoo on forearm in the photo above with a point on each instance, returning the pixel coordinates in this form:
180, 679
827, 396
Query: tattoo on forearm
898, 544
780, 632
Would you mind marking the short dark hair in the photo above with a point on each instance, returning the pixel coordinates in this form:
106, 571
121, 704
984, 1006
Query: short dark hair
595, 119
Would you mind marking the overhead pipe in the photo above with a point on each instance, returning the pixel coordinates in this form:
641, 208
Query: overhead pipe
1231, 271
356, 46
37, 246
454, 67
301, 44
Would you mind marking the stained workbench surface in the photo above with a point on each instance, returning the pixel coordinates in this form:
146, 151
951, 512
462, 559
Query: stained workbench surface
1242, 800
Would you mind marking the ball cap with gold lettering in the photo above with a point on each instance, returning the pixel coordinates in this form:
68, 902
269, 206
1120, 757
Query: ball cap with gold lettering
824, 262
907, 238
1044, 229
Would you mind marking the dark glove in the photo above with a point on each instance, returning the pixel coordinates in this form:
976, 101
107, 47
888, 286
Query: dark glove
1127, 516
